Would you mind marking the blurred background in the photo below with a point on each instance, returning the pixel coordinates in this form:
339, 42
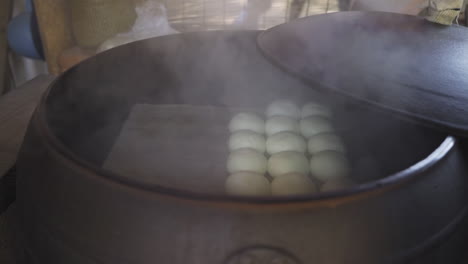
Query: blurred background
44, 36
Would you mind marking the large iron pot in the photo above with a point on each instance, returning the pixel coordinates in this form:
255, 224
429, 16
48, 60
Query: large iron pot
409, 207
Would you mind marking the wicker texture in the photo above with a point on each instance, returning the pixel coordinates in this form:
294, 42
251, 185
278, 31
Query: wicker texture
94, 21
444, 11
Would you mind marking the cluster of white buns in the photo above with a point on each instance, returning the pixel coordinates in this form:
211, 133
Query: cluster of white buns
247, 164
293, 136
328, 162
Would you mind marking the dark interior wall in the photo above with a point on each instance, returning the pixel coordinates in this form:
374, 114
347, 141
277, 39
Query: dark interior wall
5, 14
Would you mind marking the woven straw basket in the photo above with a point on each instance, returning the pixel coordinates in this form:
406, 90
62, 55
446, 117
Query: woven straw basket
94, 21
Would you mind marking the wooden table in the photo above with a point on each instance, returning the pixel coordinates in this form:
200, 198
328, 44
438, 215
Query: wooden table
16, 109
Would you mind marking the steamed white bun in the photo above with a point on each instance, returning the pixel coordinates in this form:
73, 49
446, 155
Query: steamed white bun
325, 141
247, 139
293, 184
329, 165
283, 108
277, 124
247, 184
314, 125
246, 160
247, 121
287, 162
285, 141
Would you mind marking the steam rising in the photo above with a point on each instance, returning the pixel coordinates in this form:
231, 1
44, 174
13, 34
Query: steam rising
224, 72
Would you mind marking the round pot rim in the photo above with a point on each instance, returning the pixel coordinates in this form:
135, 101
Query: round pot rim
384, 184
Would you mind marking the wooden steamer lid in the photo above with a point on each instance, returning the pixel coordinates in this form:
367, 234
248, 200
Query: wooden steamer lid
400, 63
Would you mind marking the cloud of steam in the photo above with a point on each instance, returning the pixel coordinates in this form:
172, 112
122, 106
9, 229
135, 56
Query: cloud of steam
226, 69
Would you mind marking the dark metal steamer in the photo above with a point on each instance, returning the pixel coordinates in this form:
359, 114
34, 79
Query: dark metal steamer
73, 211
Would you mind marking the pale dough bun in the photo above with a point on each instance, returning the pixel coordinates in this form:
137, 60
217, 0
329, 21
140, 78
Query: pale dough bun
285, 141
247, 184
329, 165
247, 139
246, 160
247, 121
314, 125
277, 124
293, 184
335, 185
315, 109
287, 162
283, 108
325, 141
